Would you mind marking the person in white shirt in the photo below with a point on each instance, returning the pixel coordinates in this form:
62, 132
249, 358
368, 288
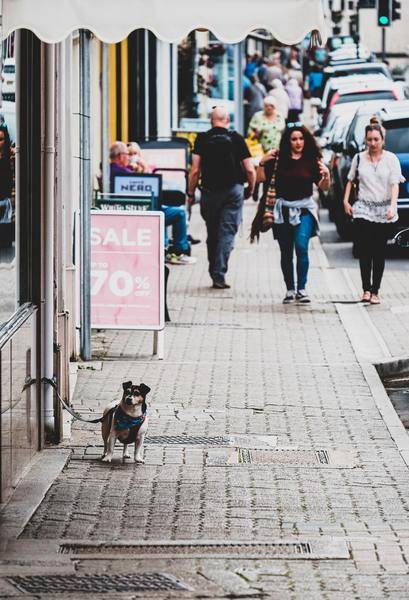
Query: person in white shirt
281, 97
375, 174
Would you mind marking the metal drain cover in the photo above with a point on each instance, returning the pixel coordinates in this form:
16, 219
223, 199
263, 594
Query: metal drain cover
245, 441
221, 324
290, 457
75, 584
186, 440
320, 548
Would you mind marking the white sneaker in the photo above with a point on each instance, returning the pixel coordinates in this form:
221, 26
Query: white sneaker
302, 297
289, 297
180, 259
184, 259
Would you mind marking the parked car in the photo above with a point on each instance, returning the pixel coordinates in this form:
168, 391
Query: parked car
364, 93
337, 41
354, 80
331, 146
350, 52
8, 80
355, 68
394, 117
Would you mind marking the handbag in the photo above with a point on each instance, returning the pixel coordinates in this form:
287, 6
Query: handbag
353, 196
268, 215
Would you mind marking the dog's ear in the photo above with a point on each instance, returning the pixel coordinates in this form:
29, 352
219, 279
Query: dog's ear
144, 389
126, 385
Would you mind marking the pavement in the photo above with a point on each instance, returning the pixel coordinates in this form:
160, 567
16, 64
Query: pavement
276, 466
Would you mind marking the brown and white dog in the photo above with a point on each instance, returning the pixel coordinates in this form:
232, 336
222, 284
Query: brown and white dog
126, 421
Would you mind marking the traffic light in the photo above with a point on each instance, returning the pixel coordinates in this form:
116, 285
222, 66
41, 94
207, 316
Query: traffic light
396, 8
384, 13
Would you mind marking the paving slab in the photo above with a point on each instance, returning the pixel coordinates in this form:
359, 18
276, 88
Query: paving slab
246, 378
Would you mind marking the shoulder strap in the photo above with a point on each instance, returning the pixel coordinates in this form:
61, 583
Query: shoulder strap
356, 180
271, 190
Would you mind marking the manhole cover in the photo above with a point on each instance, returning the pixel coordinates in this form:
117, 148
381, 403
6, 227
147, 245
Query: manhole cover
322, 548
71, 584
284, 456
187, 440
291, 457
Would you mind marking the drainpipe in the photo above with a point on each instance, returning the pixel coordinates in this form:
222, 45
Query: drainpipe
105, 118
238, 86
146, 84
85, 192
49, 198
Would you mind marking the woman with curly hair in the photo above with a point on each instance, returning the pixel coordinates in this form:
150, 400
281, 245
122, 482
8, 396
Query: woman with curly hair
288, 204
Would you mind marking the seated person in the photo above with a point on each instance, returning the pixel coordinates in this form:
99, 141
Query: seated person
137, 163
178, 254
120, 164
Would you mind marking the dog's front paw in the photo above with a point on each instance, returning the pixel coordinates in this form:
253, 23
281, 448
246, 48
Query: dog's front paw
127, 455
139, 460
106, 458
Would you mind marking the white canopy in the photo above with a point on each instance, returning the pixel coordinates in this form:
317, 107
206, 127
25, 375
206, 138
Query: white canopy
170, 20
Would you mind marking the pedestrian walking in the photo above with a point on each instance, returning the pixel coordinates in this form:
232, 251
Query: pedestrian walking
267, 125
296, 98
288, 206
281, 97
222, 159
375, 175
254, 96
273, 71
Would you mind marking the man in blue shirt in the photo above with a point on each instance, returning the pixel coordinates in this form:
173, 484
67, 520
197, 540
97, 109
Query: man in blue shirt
120, 165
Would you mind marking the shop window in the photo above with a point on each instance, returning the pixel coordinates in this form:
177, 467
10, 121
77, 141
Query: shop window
205, 69
8, 271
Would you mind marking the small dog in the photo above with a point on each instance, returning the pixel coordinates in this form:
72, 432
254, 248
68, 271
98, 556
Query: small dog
126, 421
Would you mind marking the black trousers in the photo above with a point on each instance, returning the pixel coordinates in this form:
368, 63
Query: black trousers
370, 245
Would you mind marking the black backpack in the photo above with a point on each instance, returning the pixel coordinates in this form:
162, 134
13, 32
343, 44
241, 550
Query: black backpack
218, 159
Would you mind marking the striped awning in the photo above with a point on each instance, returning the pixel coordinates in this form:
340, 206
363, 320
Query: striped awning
170, 20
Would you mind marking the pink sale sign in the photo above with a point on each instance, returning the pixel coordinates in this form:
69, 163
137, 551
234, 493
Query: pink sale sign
127, 270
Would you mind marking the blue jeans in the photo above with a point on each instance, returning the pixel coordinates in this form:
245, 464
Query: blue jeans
222, 212
298, 237
176, 217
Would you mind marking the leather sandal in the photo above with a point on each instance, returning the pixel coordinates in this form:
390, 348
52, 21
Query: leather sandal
366, 297
375, 299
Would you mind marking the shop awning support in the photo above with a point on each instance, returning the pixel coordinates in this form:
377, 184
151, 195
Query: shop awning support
85, 193
105, 117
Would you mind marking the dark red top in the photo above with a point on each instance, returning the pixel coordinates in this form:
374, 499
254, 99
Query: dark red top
294, 178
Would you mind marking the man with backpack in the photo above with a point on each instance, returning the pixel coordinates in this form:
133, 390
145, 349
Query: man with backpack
223, 161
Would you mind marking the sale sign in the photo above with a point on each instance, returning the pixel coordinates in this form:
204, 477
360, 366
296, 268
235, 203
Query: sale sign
127, 270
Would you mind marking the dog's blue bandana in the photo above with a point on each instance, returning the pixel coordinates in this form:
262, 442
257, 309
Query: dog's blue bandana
124, 421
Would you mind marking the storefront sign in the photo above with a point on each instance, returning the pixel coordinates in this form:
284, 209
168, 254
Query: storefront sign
127, 270
139, 183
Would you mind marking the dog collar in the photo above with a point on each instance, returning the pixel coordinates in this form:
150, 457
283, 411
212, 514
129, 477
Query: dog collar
124, 421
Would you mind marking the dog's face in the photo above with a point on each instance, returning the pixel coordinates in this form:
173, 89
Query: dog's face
134, 394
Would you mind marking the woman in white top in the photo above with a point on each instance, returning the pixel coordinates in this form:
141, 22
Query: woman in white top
376, 174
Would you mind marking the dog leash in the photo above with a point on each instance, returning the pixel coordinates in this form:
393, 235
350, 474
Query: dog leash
72, 412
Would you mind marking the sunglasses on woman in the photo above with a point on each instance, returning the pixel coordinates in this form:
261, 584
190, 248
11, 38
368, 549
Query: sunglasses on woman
295, 124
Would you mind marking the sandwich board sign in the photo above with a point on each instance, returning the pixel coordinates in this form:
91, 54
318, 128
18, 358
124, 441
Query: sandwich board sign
143, 183
127, 271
